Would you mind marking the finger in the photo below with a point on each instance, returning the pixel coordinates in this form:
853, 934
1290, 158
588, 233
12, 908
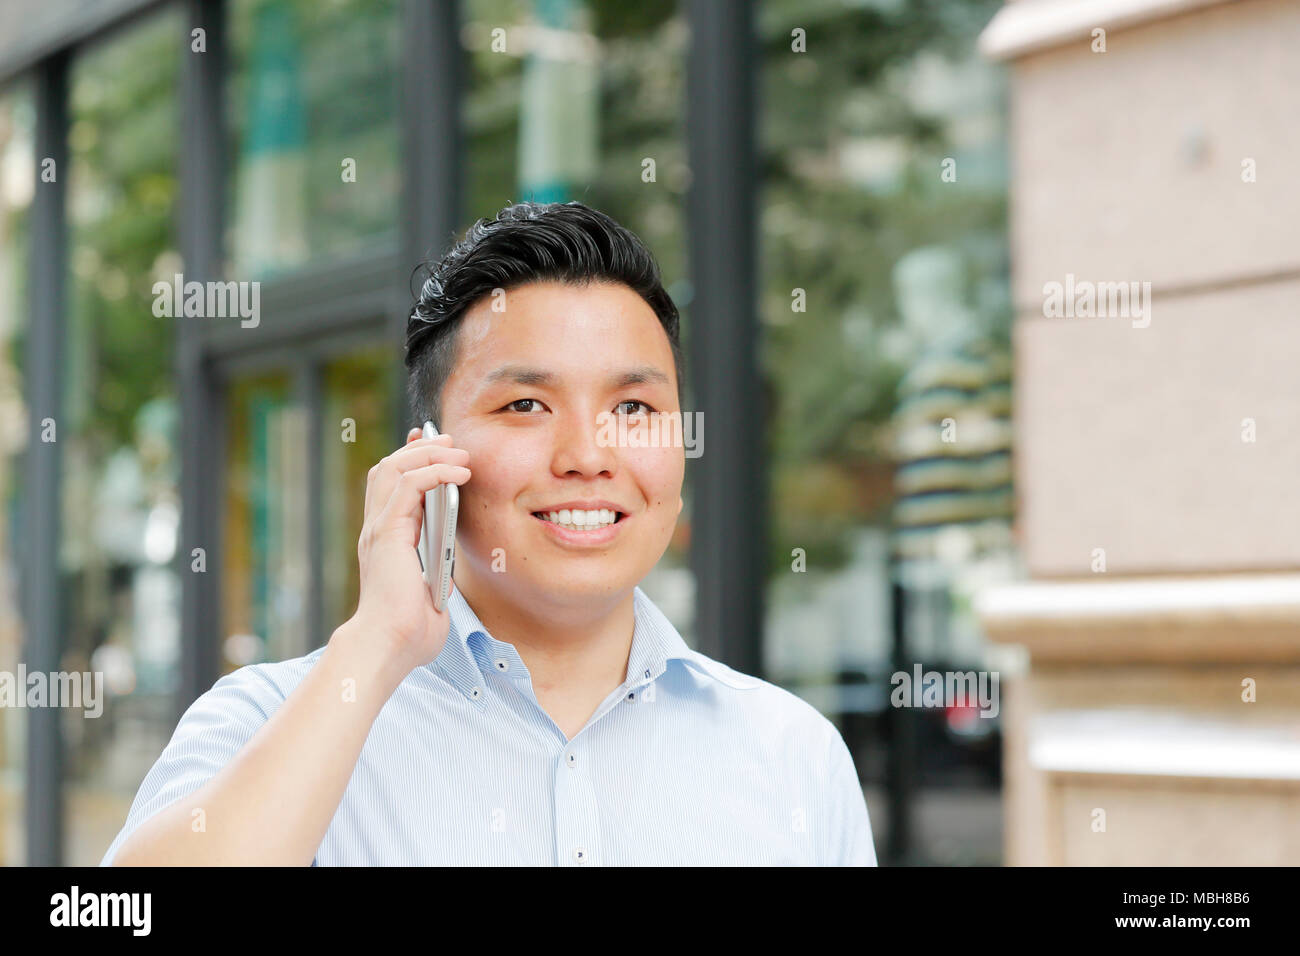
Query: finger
379, 481
419, 454
427, 451
406, 505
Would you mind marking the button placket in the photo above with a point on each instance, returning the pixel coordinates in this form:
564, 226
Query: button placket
577, 821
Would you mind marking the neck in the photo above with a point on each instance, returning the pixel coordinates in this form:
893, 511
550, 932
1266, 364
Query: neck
581, 651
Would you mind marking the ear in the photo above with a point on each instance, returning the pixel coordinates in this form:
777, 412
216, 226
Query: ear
680, 504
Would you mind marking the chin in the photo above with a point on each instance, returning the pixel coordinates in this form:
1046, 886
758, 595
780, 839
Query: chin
580, 589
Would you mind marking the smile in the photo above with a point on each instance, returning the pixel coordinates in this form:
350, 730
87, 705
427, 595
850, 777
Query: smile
586, 521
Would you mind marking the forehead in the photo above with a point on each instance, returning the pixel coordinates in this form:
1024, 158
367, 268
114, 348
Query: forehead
556, 326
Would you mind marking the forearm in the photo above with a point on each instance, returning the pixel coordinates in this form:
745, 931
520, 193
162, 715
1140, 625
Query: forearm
271, 805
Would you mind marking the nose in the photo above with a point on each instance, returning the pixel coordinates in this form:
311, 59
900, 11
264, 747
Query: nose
580, 450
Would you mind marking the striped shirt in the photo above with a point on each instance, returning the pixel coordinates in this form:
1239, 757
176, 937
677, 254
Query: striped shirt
688, 762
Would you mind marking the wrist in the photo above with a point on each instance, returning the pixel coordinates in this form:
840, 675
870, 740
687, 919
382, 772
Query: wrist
365, 652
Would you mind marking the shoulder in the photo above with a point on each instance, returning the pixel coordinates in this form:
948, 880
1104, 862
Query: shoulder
284, 676
255, 689
210, 732
723, 685
764, 706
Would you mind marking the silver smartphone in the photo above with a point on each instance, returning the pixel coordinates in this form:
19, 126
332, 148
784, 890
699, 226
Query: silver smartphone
438, 536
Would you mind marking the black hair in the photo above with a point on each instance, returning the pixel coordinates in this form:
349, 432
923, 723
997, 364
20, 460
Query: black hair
525, 242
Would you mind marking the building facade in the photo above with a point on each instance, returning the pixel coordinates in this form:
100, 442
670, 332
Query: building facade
1158, 442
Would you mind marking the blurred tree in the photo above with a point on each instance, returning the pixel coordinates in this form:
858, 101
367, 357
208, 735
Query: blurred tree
854, 132
123, 147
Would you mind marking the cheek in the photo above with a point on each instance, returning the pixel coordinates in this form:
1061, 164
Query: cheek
500, 472
659, 474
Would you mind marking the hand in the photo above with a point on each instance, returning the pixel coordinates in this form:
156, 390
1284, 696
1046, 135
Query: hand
395, 609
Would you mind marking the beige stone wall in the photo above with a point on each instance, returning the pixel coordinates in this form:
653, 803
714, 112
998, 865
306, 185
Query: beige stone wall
1239, 811
1177, 821
1127, 167
1127, 164
1130, 439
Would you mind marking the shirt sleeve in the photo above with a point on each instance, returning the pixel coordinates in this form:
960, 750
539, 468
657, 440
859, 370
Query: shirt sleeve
210, 733
848, 832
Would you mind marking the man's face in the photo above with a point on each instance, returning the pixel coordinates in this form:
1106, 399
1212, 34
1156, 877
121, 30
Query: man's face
525, 399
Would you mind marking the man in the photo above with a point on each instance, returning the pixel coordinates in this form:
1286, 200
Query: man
551, 715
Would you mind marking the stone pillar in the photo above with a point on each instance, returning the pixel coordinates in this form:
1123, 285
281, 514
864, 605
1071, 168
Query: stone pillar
1156, 277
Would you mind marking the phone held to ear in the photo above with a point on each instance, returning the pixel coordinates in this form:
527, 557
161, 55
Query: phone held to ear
438, 536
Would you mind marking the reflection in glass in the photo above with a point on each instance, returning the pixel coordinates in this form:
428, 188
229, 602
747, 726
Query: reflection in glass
357, 433
17, 182
314, 97
267, 567
119, 589
885, 310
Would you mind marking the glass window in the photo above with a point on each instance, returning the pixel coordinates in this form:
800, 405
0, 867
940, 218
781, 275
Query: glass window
17, 183
314, 96
266, 580
549, 116
885, 311
118, 433
357, 432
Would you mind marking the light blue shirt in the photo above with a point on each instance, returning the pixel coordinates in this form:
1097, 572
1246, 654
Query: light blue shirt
688, 762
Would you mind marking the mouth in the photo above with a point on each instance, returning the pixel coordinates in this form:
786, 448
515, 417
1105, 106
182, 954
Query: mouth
581, 520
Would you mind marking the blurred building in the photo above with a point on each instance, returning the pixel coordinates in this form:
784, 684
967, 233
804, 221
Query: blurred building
1157, 444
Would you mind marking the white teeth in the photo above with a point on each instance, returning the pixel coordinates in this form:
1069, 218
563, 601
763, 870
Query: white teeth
576, 519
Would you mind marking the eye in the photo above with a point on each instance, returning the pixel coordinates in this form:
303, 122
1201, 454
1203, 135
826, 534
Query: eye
644, 409
524, 405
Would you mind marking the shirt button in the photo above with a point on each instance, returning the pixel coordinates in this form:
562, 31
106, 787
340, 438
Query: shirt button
475, 693
579, 854
503, 664
572, 759
647, 673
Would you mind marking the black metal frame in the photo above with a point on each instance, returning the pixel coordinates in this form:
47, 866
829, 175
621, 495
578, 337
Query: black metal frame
433, 69
43, 631
727, 543
322, 311
201, 226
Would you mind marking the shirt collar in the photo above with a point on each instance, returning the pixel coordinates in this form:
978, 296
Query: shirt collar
470, 651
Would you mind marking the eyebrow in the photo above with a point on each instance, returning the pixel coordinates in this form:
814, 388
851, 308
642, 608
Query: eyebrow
521, 375
525, 375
